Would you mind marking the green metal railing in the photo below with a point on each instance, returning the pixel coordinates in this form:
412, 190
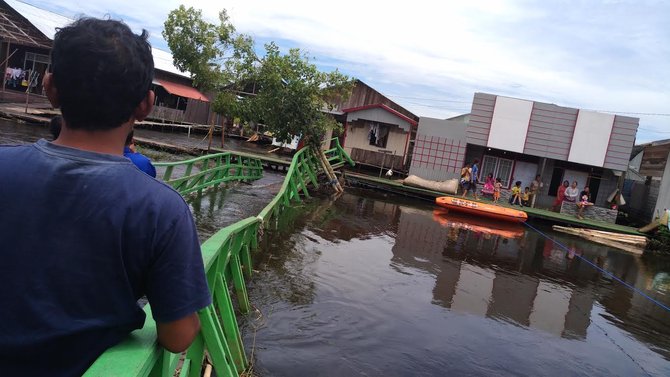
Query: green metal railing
210, 170
227, 259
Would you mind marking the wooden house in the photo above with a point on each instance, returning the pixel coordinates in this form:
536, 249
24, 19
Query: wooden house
26, 36
377, 131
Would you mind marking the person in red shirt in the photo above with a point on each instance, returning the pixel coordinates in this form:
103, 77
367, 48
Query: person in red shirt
560, 196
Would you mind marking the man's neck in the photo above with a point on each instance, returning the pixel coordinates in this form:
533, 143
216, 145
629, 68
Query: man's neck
107, 142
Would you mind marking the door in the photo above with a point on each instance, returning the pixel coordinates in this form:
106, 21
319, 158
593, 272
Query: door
524, 172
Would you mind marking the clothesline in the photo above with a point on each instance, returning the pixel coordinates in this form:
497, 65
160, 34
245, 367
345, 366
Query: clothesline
15, 77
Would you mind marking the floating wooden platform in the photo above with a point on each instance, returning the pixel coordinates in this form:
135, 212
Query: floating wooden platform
630, 243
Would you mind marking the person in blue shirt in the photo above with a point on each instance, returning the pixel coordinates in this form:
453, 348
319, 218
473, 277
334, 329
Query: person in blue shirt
84, 233
141, 161
475, 178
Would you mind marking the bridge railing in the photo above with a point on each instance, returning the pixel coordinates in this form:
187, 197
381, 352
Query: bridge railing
337, 157
227, 259
209, 170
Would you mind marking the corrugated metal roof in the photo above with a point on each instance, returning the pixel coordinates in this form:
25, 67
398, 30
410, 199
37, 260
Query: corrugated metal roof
163, 61
47, 22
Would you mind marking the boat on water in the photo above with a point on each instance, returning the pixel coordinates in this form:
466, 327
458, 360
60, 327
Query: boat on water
482, 209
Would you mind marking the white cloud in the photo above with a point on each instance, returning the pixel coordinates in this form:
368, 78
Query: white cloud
595, 55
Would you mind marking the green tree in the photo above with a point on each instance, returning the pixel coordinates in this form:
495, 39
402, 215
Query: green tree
284, 92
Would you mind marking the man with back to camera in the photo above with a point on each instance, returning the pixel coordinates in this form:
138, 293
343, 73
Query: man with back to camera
84, 233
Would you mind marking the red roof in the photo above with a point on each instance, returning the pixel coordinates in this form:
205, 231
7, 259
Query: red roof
182, 90
383, 107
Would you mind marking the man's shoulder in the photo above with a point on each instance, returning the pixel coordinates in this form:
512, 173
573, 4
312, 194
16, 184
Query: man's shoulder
157, 190
18, 148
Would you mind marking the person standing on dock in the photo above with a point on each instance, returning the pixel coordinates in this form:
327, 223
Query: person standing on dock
141, 161
497, 187
560, 196
84, 233
475, 178
535, 187
466, 173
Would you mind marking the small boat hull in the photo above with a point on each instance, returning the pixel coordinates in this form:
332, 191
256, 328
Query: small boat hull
491, 211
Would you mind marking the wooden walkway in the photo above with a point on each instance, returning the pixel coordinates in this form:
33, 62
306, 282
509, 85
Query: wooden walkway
39, 113
559, 218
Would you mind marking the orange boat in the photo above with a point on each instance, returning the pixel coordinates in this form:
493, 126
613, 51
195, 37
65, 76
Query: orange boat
482, 209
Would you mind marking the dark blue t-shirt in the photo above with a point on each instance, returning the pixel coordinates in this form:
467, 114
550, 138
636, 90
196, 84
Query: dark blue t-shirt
141, 161
83, 236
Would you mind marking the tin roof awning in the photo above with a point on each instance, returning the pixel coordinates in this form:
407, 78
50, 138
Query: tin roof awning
182, 90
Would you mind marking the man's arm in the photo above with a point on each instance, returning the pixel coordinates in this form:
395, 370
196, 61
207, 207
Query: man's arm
176, 283
177, 335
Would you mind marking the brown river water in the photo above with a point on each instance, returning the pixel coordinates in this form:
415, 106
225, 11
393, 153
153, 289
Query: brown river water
372, 284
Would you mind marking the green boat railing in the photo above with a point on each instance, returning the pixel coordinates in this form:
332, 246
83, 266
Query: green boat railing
210, 170
227, 259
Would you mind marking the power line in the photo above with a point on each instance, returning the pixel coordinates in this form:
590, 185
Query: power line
611, 275
437, 106
649, 130
631, 113
469, 102
429, 99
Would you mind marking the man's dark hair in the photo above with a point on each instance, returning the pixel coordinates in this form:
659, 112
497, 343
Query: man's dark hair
55, 125
102, 71
129, 138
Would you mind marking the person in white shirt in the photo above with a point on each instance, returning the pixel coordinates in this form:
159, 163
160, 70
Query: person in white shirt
572, 193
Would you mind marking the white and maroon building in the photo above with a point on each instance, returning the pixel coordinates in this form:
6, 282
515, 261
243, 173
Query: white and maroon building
515, 139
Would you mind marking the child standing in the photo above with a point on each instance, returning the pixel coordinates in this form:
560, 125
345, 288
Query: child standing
525, 197
466, 174
488, 186
496, 190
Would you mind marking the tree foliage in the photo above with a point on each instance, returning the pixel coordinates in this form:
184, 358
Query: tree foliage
283, 91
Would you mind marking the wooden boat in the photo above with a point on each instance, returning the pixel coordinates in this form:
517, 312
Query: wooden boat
477, 224
482, 209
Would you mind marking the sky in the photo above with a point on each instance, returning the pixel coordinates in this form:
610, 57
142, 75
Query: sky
432, 56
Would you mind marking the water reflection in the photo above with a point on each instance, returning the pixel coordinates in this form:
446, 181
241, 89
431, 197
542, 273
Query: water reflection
484, 226
419, 291
521, 277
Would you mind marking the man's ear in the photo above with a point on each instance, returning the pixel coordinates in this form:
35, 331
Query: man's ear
51, 90
144, 108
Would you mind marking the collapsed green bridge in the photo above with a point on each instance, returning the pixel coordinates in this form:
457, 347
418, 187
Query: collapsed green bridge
227, 260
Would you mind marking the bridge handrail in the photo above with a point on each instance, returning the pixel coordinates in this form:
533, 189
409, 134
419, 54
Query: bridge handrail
227, 166
227, 258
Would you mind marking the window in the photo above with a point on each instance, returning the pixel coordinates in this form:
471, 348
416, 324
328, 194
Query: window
500, 167
378, 134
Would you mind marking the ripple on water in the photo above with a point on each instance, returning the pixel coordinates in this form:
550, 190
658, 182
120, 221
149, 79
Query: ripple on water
404, 296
